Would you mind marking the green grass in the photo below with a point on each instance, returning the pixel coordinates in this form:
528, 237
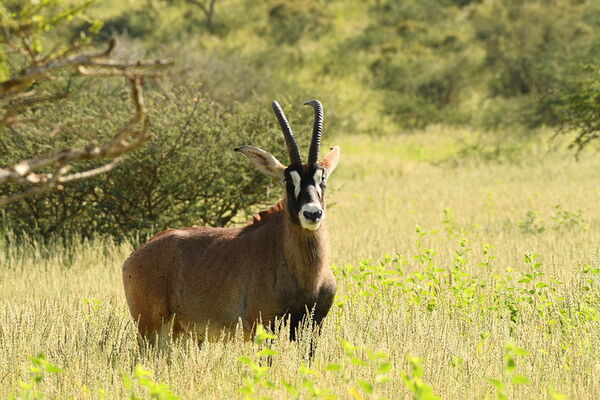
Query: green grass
467, 267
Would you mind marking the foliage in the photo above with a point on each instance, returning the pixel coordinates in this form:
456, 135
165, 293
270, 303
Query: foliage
188, 175
142, 377
289, 21
511, 353
412, 379
562, 221
377, 65
31, 31
37, 70
532, 51
421, 58
40, 368
257, 381
581, 109
490, 64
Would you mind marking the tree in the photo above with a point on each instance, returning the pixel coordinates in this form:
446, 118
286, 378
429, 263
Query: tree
207, 7
580, 109
33, 74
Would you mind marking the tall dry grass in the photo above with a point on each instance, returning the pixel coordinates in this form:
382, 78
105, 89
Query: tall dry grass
458, 304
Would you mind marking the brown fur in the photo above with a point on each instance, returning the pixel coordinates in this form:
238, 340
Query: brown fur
207, 280
266, 213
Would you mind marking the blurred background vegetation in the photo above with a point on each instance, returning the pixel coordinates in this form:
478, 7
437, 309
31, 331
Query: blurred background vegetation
379, 67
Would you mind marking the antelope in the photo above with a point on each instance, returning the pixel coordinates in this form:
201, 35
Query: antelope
206, 281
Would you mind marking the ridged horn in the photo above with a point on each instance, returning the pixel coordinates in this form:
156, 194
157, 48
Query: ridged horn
290, 141
315, 144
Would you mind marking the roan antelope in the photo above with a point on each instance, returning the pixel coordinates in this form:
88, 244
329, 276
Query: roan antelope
207, 280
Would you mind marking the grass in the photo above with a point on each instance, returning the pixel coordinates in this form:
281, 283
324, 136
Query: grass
467, 267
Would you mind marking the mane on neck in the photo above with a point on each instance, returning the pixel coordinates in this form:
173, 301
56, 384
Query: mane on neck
262, 216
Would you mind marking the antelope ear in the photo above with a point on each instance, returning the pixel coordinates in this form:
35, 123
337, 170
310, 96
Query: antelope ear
330, 161
265, 162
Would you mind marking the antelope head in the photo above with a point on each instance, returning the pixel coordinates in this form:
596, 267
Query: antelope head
304, 183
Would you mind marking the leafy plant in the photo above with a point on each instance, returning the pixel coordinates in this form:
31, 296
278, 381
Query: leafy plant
562, 220
532, 224
39, 369
413, 379
142, 377
565, 220
258, 375
37, 71
580, 107
290, 21
511, 353
188, 175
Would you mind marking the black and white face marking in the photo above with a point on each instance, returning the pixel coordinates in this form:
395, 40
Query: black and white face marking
305, 194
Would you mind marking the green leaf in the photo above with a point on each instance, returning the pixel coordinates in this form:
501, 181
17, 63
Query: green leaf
510, 365
261, 335
385, 367
349, 349
141, 372
355, 393
497, 383
333, 367
53, 368
519, 379
127, 382
365, 386
246, 390
304, 370
376, 355
25, 386
358, 361
267, 353
246, 360
37, 45
96, 26
291, 389
269, 385
520, 352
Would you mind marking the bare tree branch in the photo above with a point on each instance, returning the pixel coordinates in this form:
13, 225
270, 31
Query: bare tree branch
92, 172
33, 73
15, 96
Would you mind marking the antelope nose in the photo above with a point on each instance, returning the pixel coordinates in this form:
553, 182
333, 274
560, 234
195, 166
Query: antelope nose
313, 215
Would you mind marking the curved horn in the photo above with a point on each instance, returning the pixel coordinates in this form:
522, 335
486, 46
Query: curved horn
290, 141
315, 144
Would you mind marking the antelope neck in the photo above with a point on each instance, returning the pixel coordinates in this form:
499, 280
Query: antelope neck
306, 252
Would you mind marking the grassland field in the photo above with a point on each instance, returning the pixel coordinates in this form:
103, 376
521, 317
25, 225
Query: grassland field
467, 268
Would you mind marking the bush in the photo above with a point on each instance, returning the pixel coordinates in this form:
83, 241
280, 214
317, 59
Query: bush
289, 21
187, 175
421, 60
532, 50
580, 109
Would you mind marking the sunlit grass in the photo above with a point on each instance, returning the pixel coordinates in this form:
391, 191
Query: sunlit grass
479, 286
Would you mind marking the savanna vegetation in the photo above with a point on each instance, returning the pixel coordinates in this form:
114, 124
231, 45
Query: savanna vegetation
464, 214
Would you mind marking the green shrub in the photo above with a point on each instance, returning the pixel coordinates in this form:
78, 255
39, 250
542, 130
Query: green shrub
289, 21
187, 175
580, 109
532, 51
420, 57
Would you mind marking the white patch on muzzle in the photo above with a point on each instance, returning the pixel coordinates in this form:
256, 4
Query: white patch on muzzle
309, 223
